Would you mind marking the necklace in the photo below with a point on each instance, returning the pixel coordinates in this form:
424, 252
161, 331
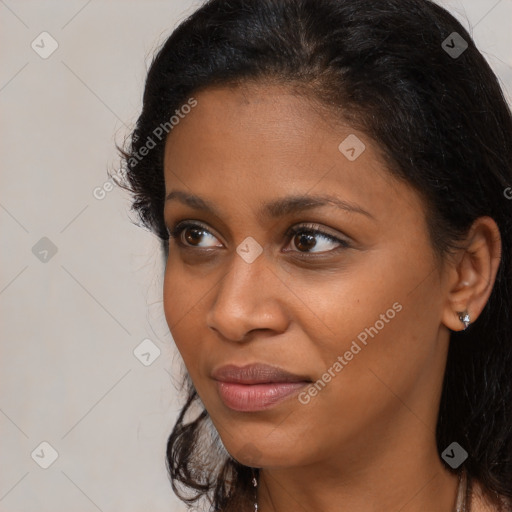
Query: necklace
460, 504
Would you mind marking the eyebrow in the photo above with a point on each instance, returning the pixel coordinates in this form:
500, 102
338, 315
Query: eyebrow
273, 209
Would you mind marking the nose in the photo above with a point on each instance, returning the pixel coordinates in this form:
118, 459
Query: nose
248, 298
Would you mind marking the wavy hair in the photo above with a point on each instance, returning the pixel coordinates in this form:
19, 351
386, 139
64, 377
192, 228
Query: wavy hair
444, 127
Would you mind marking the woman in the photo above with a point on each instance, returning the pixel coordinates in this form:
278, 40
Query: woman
329, 180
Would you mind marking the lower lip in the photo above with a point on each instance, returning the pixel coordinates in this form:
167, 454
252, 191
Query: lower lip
256, 397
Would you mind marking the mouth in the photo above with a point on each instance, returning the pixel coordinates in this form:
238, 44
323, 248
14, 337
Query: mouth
256, 387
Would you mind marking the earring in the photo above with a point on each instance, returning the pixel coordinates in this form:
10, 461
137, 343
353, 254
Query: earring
464, 318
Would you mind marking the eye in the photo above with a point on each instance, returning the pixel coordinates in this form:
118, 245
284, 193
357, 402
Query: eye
306, 238
190, 234
310, 239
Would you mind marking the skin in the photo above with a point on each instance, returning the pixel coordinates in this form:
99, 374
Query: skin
366, 442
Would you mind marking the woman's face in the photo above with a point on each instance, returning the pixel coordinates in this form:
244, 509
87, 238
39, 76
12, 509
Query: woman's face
350, 302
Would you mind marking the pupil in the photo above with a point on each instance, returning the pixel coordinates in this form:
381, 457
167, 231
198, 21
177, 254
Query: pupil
307, 241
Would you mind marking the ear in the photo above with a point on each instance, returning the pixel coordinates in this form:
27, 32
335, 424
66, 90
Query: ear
472, 273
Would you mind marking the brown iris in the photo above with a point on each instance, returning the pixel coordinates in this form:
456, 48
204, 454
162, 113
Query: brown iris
193, 235
304, 241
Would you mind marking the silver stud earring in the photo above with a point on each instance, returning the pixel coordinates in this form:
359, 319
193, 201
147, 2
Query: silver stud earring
464, 318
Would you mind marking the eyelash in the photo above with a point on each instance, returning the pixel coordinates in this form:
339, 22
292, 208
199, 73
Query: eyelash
310, 229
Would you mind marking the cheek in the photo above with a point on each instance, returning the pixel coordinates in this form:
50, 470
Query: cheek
382, 319
381, 365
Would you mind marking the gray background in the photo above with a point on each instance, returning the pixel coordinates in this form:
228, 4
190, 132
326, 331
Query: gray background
70, 321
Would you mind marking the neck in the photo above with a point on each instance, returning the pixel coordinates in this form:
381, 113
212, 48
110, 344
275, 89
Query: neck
402, 478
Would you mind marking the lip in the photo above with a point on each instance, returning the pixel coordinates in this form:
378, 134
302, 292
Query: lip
256, 387
256, 373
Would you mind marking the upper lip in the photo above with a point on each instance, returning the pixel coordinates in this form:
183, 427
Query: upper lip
257, 373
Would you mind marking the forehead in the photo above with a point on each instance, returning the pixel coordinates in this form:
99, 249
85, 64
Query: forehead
251, 143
